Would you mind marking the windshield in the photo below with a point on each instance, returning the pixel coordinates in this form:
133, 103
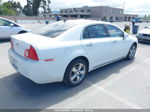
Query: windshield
54, 29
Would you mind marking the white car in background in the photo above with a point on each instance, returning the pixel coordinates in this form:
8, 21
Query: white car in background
66, 51
9, 28
144, 35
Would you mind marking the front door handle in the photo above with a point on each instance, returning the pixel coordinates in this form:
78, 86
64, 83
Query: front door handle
89, 44
115, 41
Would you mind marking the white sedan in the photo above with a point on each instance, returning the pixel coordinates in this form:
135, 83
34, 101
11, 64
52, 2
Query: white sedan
9, 28
67, 51
144, 35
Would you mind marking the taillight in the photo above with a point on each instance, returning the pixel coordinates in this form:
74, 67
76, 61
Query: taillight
31, 54
11, 43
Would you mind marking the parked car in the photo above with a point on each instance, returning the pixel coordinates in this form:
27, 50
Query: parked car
67, 51
9, 28
144, 35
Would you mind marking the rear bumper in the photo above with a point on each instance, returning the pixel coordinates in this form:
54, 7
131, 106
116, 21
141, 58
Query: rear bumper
40, 72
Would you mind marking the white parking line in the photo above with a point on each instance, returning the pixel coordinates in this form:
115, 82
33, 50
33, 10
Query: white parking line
134, 106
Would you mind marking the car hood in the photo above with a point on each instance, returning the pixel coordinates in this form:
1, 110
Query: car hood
145, 31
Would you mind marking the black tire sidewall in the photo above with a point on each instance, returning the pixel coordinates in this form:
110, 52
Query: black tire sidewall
128, 57
67, 79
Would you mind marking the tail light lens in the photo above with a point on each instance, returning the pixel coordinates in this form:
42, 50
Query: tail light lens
31, 54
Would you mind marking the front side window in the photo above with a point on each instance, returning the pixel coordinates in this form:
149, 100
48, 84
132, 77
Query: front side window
96, 31
114, 31
4, 22
1, 22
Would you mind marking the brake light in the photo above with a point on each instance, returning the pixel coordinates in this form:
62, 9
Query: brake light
31, 54
11, 43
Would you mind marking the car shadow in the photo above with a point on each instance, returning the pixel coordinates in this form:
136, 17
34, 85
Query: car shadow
4, 40
21, 92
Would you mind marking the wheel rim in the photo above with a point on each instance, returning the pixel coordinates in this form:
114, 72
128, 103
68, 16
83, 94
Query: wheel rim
77, 73
132, 52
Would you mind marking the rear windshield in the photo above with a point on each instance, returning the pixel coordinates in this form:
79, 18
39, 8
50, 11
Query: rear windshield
54, 29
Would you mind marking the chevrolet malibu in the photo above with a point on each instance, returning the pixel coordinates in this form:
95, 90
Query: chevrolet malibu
68, 50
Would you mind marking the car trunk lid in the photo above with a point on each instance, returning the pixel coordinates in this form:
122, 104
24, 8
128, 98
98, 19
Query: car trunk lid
24, 41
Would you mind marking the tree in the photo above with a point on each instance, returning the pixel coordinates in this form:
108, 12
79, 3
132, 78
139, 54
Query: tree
6, 9
27, 10
145, 17
15, 6
45, 5
148, 16
36, 6
32, 7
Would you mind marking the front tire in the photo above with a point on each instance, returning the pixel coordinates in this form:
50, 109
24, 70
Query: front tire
132, 52
75, 72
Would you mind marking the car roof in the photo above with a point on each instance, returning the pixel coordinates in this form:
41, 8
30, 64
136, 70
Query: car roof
78, 28
86, 22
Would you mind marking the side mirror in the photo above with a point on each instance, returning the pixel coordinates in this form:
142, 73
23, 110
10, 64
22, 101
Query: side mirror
11, 25
125, 35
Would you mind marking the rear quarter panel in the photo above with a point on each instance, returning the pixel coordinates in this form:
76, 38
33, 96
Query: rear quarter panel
63, 53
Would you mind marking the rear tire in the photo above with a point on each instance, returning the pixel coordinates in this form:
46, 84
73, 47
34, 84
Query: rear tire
132, 52
75, 72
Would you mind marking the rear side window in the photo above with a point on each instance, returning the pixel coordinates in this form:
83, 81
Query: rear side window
86, 34
114, 31
95, 31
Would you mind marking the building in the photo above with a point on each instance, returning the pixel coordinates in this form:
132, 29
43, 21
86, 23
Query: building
83, 12
97, 12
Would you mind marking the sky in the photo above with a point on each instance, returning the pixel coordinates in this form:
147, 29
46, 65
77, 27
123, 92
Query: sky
131, 6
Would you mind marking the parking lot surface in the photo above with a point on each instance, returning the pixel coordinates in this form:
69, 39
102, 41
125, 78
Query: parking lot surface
121, 85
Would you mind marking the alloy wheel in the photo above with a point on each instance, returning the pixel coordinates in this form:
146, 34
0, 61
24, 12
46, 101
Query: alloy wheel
77, 73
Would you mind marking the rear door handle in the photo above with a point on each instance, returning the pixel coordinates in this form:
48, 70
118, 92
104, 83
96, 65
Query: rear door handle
89, 44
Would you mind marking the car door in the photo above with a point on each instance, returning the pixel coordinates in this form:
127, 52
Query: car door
97, 44
119, 43
7, 28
